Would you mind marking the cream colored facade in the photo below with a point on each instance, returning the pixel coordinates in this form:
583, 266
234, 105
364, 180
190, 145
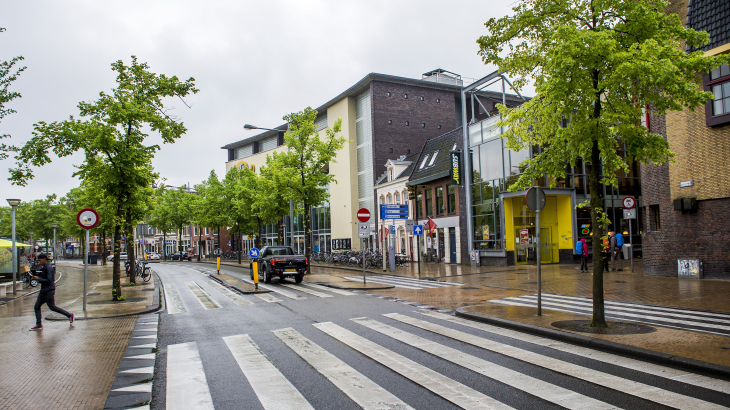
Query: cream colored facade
343, 193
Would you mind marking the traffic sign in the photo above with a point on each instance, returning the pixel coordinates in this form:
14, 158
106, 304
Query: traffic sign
629, 202
409, 224
363, 215
87, 218
218, 252
174, 242
418, 229
630, 213
535, 198
253, 252
393, 211
363, 230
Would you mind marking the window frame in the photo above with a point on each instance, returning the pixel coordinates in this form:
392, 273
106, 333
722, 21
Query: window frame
450, 199
428, 194
712, 120
440, 201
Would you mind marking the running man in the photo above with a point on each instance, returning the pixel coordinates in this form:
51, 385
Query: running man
47, 294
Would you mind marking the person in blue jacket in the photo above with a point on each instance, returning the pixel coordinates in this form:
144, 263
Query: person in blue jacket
47, 293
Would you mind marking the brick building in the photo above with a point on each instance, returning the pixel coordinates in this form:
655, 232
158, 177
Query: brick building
687, 202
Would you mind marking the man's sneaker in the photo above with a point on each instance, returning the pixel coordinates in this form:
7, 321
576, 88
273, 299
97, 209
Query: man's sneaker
37, 327
71, 319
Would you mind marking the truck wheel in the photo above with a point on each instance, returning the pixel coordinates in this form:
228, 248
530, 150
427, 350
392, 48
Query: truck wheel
298, 278
267, 276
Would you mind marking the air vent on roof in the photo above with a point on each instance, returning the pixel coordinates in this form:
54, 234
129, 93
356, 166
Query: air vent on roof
442, 76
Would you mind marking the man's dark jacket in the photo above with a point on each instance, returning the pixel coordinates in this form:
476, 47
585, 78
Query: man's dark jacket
46, 278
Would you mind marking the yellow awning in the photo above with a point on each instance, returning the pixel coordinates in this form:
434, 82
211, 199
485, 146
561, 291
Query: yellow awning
5, 243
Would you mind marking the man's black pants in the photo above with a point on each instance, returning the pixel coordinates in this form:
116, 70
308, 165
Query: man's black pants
48, 298
583, 263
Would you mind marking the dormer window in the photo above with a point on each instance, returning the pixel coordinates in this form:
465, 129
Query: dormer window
390, 174
433, 159
423, 164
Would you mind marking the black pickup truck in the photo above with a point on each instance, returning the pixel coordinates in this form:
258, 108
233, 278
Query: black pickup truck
280, 261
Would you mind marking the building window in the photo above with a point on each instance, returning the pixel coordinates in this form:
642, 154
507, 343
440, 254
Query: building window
419, 205
423, 125
390, 198
721, 90
429, 202
390, 121
390, 171
406, 123
655, 223
438, 100
451, 202
439, 126
405, 96
422, 98
397, 198
439, 201
382, 199
388, 94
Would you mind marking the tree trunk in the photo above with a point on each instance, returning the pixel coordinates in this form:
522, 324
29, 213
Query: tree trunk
239, 246
130, 249
308, 233
599, 313
103, 248
198, 244
164, 244
116, 271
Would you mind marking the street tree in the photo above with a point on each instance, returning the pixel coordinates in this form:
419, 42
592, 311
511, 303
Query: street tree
113, 137
8, 74
301, 173
595, 66
159, 218
209, 208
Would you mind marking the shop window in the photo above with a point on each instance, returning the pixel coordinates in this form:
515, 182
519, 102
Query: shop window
419, 205
655, 223
429, 202
439, 201
451, 201
717, 110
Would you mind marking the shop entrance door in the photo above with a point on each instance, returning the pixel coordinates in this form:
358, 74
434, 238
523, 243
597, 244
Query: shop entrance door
452, 244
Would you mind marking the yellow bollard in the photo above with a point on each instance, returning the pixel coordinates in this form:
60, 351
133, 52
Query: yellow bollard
218, 264
256, 275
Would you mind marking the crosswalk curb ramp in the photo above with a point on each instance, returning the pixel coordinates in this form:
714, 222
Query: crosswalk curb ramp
546, 362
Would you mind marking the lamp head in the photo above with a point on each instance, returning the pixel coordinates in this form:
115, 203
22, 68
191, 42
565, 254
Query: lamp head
14, 202
250, 127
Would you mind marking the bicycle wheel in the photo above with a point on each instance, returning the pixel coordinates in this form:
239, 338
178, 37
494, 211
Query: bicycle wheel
146, 275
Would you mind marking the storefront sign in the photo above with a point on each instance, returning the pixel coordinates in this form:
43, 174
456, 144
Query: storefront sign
243, 164
455, 168
524, 236
689, 268
485, 232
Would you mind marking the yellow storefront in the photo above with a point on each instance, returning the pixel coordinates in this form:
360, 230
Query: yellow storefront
556, 227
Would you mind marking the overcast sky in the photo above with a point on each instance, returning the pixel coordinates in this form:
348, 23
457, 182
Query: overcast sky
253, 61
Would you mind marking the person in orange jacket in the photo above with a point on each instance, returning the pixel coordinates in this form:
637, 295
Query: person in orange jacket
605, 254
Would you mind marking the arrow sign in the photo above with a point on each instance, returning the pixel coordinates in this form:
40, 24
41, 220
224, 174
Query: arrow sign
417, 229
253, 252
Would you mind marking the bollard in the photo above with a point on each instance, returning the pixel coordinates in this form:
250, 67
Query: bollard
218, 264
255, 275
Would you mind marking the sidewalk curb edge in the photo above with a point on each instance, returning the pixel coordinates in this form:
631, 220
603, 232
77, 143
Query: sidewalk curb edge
591, 342
236, 287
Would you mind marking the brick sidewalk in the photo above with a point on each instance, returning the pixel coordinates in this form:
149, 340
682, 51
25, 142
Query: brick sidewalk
62, 366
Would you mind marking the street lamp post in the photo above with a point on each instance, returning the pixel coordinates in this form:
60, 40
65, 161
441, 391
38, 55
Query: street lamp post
32, 245
14, 203
54, 226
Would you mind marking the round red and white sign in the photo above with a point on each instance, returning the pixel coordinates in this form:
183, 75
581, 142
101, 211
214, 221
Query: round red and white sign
363, 215
629, 202
87, 218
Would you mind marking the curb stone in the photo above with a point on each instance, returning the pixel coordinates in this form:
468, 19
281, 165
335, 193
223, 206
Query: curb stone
599, 344
237, 288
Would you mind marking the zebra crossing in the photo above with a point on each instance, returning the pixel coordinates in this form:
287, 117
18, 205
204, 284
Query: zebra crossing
484, 350
406, 282
681, 318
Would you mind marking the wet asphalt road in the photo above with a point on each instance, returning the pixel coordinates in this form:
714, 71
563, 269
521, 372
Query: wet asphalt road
532, 376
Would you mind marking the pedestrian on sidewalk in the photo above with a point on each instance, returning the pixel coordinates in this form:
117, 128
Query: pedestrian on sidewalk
47, 293
616, 253
582, 249
605, 251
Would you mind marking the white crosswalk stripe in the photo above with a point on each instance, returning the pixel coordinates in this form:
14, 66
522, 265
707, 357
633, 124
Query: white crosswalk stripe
203, 297
306, 290
233, 296
637, 389
708, 322
187, 382
328, 289
405, 282
277, 289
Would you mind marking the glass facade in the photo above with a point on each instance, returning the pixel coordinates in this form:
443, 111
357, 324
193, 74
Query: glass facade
321, 229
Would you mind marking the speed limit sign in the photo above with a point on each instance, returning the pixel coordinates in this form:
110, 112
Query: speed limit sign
629, 202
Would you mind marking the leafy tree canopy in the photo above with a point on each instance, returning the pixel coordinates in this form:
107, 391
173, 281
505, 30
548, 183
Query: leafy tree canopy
8, 74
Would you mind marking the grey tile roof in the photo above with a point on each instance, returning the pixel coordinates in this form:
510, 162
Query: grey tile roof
413, 158
712, 16
442, 144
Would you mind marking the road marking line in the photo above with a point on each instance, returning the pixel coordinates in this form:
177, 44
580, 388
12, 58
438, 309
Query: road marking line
544, 390
634, 388
137, 388
632, 317
625, 362
274, 391
203, 297
307, 290
186, 383
363, 391
145, 346
145, 337
149, 329
173, 300
290, 295
140, 370
441, 385
619, 310
377, 280
147, 356
266, 297
233, 296
698, 313
333, 290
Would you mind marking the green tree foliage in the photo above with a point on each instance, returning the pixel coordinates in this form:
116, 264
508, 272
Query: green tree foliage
301, 173
209, 207
112, 136
159, 217
8, 74
171, 211
595, 65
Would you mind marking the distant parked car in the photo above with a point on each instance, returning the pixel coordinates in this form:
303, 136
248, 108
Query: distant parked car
177, 256
122, 256
152, 256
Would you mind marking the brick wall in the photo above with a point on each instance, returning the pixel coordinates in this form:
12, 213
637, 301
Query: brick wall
398, 109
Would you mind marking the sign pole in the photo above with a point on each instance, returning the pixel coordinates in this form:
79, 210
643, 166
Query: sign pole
253, 253
631, 246
86, 267
539, 276
363, 262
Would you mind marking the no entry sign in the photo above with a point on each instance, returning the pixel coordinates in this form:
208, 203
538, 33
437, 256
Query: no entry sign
363, 215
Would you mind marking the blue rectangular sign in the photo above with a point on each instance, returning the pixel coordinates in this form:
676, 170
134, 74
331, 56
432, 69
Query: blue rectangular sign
393, 211
417, 229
